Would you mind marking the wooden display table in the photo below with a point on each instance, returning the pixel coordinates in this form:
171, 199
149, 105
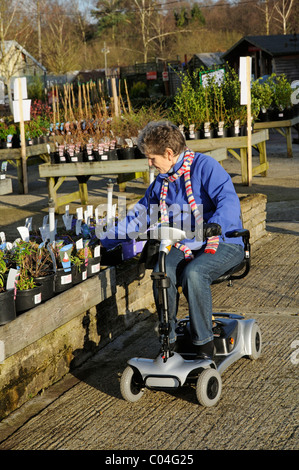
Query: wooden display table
13, 156
232, 144
57, 173
283, 127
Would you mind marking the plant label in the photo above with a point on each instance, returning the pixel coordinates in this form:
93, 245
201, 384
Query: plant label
24, 232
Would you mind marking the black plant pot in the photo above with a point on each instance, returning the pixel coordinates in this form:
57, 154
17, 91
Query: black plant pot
112, 155
90, 156
126, 153
63, 280
47, 286
138, 153
234, 131
7, 306
111, 257
94, 266
79, 274
222, 132
195, 136
264, 116
27, 299
244, 130
76, 158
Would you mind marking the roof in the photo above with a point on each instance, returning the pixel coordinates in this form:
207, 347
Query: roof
209, 59
8, 44
274, 45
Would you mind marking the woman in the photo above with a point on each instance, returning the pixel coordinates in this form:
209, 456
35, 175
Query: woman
198, 182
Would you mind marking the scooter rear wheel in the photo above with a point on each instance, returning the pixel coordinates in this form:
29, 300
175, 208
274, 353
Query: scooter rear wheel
208, 387
131, 385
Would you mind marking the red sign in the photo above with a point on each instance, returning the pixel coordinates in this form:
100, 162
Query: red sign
165, 76
151, 75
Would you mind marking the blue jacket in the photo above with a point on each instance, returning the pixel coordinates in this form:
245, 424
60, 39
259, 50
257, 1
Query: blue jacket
212, 188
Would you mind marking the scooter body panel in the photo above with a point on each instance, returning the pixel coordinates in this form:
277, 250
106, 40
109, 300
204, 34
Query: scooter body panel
172, 373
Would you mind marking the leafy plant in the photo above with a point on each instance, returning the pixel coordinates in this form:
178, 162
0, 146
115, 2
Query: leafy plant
264, 93
6, 128
32, 260
3, 270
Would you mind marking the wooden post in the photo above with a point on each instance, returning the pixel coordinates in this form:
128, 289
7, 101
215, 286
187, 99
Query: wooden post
115, 97
249, 147
23, 143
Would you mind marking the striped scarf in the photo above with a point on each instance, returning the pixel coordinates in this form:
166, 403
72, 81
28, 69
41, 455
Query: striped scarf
184, 170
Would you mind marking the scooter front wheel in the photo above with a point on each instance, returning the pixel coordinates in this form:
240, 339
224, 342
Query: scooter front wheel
131, 385
208, 387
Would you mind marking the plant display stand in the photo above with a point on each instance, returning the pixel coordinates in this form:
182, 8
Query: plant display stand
233, 144
284, 128
5, 186
57, 173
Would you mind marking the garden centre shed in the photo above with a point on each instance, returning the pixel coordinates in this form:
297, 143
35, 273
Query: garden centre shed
270, 54
15, 61
208, 60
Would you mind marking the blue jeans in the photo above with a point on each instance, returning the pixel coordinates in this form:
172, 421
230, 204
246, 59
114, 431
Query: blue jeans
196, 277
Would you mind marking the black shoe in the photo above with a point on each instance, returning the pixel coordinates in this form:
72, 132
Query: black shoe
205, 351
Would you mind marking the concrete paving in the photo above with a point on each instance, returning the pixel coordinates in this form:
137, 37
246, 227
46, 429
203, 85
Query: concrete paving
259, 402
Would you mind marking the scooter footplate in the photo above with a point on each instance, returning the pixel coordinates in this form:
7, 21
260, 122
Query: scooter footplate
162, 382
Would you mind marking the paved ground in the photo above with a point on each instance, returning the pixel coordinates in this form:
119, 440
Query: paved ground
259, 403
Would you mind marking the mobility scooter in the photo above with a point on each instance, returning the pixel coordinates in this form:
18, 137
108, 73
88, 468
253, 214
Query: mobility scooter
234, 337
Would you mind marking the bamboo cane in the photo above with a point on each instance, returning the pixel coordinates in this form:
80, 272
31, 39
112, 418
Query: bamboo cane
128, 98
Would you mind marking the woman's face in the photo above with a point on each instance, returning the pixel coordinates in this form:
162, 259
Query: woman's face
163, 163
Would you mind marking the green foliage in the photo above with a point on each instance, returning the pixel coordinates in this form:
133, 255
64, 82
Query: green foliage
36, 88
6, 128
263, 92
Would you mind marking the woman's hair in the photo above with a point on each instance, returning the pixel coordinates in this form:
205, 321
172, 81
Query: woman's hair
157, 136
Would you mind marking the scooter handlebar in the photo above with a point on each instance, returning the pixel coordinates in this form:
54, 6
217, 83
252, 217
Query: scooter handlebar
211, 230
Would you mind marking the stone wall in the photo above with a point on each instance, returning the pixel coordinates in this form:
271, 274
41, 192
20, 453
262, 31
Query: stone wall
253, 208
45, 343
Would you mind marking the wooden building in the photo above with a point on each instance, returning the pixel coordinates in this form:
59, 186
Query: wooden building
270, 54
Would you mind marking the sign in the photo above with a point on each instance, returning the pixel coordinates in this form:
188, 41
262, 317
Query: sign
165, 76
218, 76
20, 100
152, 75
243, 78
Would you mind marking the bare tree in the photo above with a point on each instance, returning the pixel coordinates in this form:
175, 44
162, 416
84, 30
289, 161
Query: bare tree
268, 10
147, 12
283, 9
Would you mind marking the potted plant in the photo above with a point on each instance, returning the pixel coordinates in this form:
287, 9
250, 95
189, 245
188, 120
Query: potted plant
7, 132
282, 96
189, 106
39, 264
64, 272
28, 292
264, 93
7, 301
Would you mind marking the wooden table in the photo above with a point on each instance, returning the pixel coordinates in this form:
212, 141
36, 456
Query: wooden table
57, 173
13, 156
233, 144
283, 127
